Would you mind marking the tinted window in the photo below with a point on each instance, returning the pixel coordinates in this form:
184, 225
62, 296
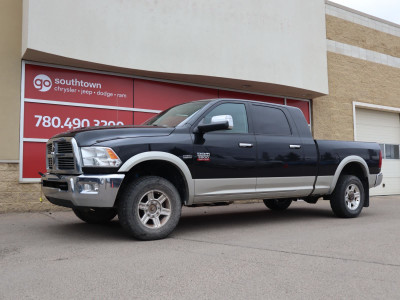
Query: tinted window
175, 115
238, 113
269, 120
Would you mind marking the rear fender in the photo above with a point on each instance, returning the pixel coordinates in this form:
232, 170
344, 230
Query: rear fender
347, 160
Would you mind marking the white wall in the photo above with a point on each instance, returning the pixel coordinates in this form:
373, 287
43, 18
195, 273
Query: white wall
260, 41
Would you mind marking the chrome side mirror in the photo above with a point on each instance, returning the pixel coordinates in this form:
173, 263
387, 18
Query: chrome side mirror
223, 118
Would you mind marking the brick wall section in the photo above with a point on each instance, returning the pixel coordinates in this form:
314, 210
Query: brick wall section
352, 79
364, 37
18, 197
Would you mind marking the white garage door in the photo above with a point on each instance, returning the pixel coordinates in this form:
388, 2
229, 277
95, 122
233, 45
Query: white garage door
383, 128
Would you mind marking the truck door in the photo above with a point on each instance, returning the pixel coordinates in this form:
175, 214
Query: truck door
280, 167
225, 160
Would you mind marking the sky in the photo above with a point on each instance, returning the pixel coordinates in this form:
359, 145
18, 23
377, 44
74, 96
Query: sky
384, 9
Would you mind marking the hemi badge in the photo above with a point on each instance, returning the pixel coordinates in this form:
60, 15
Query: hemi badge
203, 156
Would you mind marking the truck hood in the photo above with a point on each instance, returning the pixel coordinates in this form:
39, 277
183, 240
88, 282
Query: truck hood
90, 136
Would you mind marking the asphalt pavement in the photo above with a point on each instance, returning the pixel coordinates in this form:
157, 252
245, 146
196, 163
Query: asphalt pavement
241, 251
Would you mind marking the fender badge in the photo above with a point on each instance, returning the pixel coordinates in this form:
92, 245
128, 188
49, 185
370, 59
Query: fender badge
203, 156
186, 157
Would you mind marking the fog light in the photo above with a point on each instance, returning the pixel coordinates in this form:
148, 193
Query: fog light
89, 187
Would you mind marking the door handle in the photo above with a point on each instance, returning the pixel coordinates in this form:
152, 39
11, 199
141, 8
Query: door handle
245, 145
294, 146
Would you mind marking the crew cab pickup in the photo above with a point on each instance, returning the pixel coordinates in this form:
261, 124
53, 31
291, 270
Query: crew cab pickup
205, 152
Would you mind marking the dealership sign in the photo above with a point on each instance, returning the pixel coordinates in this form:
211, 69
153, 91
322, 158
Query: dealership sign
55, 100
54, 84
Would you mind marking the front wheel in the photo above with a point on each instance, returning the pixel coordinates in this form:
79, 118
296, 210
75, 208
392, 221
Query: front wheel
150, 208
95, 215
348, 198
277, 204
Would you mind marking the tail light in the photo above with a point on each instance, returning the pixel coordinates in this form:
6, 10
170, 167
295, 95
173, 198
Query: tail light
380, 159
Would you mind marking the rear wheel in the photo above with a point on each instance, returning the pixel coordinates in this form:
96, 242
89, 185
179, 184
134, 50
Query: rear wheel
277, 204
95, 215
348, 198
150, 208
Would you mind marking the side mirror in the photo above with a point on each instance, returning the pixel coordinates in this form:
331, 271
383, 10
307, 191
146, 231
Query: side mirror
221, 122
223, 118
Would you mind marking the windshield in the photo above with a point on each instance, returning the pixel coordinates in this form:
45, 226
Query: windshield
176, 115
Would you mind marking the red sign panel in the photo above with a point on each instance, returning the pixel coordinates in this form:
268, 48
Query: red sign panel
161, 95
46, 120
55, 84
237, 95
34, 159
141, 117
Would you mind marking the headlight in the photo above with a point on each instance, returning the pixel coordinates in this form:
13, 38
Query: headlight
99, 157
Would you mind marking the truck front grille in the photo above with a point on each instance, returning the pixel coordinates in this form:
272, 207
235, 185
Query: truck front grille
61, 156
65, 163
64, 147
50, 148
50, 162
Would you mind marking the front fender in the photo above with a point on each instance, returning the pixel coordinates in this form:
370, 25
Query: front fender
164, 156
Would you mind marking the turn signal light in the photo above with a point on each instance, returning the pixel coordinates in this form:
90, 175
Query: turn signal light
111, 154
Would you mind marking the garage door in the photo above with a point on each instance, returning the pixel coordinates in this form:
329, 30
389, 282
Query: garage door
383, 128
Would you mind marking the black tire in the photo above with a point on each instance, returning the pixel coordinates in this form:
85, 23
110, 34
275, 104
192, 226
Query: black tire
347, 200
277, 204
95, 215
149, 208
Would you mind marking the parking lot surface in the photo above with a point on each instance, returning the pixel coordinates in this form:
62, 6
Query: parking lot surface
241, 251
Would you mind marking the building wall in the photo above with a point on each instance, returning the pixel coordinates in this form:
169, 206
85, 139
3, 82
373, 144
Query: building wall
19, 197
363, 66
275, 47
10, 76
13, 196
363, 58
361, 36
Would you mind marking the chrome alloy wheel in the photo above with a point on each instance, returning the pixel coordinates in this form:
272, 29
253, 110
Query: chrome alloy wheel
154, 209
352, 197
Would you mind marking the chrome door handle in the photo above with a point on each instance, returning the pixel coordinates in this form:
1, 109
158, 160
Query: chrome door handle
245, 145
294, 146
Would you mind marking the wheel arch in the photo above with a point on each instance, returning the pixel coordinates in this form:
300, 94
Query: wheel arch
357, 166
353, 162
167, 162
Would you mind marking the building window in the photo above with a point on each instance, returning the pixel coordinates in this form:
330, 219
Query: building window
390, 151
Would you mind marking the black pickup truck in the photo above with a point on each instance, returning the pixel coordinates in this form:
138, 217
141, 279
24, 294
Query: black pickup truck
205, 152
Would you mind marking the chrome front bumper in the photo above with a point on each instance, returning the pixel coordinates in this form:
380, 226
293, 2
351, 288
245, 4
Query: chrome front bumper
82, 190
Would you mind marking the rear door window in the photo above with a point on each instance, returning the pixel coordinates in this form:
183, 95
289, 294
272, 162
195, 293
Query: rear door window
270, 121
